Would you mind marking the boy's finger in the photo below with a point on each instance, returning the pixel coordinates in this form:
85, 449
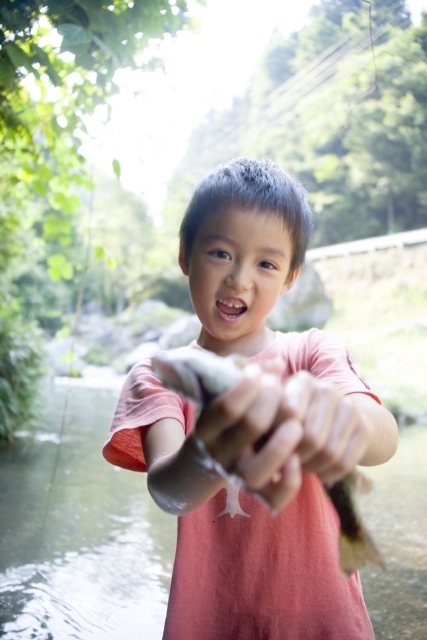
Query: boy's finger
258, 469
228, 407
280, 492
354, 452
297, 393
345, 420
226, 429
252, 426
318, 420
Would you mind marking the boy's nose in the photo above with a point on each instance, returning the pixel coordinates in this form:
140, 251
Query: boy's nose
239, 279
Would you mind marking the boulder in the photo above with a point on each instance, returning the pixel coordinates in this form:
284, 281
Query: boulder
305, 306
180, 333
91, 307
147, 306
92, 327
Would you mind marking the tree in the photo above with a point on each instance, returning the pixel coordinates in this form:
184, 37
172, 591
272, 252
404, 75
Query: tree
57, 64
351, 123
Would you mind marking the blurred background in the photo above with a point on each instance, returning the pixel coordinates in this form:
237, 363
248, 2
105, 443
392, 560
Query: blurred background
109, 116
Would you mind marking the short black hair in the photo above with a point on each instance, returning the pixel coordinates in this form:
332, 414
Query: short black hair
252, 185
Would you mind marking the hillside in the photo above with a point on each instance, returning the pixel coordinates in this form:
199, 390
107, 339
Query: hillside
380, 314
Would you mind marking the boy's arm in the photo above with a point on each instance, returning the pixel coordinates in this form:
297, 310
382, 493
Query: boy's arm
229, 426
176, 480
382, 427
309, 425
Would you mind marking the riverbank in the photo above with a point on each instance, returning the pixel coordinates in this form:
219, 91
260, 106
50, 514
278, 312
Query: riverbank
380, 314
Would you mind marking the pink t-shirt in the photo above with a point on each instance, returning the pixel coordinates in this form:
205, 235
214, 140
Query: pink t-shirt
239, 573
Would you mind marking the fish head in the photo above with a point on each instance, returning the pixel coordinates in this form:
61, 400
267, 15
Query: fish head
176, 373
196, 373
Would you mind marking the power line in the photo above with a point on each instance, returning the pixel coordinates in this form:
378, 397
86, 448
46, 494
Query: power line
296, 94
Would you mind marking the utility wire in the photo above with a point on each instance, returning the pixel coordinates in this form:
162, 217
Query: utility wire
312, 79
325, 76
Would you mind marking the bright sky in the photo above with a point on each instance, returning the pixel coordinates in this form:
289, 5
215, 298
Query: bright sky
148, 134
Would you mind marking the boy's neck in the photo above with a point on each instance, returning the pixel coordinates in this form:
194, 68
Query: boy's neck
248, 345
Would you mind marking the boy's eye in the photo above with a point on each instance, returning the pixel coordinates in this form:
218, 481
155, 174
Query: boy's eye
220, 254
267, 265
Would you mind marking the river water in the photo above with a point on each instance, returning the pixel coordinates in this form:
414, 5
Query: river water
90, 557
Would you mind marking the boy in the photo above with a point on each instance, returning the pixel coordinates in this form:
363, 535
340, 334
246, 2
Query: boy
239, 572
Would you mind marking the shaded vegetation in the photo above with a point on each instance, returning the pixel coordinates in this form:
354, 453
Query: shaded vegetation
58, 60
20, 373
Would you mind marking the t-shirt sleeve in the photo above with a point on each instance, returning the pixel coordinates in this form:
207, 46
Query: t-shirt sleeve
143, 401
323, 356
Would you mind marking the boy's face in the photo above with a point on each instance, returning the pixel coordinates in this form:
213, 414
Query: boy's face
238, 267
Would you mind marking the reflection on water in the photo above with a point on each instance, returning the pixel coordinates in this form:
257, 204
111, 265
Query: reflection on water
103, 567
397, 515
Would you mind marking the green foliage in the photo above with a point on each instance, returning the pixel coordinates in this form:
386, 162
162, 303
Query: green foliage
20, 373
58, 59
350, 122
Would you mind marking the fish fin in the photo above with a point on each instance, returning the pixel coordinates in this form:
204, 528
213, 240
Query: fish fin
357, 552
363, 484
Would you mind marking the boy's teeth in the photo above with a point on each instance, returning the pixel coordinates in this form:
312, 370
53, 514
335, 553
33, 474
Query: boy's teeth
235, 305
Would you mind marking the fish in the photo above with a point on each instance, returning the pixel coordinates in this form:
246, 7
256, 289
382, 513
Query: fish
201, 375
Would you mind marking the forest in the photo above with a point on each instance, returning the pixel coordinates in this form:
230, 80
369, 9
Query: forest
342, 104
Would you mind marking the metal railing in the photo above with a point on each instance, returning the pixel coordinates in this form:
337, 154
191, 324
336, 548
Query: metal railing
399, 240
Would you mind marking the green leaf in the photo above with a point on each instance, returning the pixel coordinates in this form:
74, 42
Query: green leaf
68, 204
73, 34
41, 56
63, 333
59, 267
40, 188
44, 172
71, 203
56, 261
7, 74
67, 271
116, 168
57, 202
69, 356
25, 173
17, 56
99, 253
52, 313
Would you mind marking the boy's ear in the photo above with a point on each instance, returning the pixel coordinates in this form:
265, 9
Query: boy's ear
290, 281
182, 258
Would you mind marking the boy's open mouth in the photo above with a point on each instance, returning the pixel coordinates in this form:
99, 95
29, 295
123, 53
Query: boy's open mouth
232, 307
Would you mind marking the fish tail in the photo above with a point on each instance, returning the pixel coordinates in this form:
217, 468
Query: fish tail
357, 552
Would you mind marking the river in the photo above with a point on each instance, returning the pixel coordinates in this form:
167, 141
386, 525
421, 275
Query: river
90, 557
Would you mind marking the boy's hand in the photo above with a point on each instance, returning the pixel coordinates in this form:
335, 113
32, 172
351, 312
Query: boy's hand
250, 431
335, 438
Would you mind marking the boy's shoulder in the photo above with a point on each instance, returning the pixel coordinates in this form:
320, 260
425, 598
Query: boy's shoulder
311, 350
311, 340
